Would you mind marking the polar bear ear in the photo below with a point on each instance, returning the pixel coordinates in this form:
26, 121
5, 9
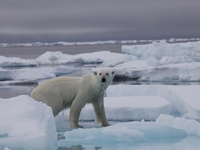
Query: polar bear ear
113, 73
95, 73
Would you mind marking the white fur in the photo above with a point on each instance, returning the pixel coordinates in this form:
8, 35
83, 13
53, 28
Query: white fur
74, 92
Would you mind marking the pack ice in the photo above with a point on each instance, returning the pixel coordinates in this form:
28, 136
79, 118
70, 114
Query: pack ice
157, 61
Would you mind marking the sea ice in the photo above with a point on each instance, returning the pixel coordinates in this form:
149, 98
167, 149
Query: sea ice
181, 102
127, 108
16, 62
161, 61
33, 74
162, 49
124, 135
26, 124
145, 102
191, 127
157, 61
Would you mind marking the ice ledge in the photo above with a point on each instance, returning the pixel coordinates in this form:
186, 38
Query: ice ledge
181, 104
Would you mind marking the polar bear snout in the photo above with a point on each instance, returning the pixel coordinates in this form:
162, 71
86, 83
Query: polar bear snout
103, 80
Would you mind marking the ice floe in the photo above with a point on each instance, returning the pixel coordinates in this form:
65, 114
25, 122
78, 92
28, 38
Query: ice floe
26, 124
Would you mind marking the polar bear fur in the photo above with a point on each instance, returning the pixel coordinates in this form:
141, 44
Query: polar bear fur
63, 92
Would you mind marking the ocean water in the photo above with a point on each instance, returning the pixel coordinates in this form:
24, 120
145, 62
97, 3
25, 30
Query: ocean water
33, 52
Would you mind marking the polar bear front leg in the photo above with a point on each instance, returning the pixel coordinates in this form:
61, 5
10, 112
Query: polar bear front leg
99, 109
75, 111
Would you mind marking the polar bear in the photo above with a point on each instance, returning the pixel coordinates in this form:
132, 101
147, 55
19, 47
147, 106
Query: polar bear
63, 92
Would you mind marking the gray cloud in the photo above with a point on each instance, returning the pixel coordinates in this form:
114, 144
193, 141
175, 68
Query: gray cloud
89, 20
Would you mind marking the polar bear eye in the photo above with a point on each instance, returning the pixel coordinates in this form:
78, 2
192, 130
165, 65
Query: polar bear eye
99, 73
107, 74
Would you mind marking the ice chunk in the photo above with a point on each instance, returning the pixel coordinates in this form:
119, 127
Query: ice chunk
15, 62
53, 58
129, 108
179, 103
190, 94
123, 134
162, 49
32, 74
26, 124
161, 61
192, 127
145, 102
143, 71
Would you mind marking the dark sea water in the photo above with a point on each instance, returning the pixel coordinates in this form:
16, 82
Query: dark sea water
35, 51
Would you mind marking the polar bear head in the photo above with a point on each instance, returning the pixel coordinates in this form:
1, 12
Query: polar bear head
105, 77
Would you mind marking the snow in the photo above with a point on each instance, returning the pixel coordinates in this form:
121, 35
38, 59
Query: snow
25, 122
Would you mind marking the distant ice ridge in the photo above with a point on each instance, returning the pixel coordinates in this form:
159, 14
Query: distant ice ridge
26, 124
172, 40
106, 57
58, 58
166, 52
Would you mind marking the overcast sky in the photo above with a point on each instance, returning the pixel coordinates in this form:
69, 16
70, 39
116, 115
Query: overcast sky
92, 20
